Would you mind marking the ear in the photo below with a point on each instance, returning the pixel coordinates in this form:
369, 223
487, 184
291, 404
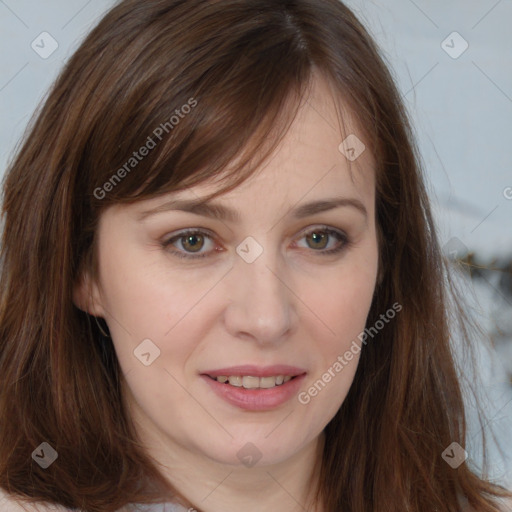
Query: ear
86, 295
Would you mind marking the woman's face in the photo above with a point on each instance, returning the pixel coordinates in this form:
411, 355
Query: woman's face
274, 279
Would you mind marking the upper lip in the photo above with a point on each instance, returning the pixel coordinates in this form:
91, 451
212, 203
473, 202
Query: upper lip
256, 371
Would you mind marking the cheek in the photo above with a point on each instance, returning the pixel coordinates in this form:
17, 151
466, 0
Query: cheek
342, 304
144, 300
342, 298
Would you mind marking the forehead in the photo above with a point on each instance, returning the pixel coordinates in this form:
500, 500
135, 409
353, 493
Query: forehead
323, 154
324, 147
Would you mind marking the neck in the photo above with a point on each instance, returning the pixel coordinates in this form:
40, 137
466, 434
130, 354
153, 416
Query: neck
210, 486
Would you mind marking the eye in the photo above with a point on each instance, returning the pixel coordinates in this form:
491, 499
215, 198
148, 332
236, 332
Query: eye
321, 237
189, 243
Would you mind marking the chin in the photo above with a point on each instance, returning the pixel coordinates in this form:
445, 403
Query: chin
258, 450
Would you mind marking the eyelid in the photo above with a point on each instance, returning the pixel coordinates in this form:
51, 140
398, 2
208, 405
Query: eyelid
343, 238
183, 233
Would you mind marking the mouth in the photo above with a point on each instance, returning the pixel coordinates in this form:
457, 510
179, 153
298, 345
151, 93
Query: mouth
255, 388
252, 381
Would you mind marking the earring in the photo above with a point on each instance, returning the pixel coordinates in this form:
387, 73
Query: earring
101, 328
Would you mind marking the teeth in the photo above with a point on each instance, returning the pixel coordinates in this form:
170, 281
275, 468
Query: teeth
251, 382
267, 382
236, 381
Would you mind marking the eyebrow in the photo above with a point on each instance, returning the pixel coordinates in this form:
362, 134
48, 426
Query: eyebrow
224, 213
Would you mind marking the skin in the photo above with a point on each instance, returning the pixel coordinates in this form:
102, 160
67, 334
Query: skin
292, 305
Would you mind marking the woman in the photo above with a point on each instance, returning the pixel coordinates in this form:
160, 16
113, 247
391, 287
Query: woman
221, 284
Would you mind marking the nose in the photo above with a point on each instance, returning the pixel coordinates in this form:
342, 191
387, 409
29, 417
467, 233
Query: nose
261, 305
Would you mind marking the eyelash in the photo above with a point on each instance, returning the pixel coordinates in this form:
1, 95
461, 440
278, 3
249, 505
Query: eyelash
342, 237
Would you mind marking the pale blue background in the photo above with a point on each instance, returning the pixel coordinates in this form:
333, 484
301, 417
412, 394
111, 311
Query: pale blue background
461, 109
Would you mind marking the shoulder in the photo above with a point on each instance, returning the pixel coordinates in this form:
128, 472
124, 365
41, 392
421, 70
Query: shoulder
10, 503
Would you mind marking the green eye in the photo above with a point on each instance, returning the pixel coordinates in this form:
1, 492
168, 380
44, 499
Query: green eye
319, 238
189, 243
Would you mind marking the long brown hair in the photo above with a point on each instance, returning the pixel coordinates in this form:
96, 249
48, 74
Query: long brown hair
235, 64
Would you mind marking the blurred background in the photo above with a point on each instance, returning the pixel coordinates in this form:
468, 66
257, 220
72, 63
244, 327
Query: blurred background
452, 62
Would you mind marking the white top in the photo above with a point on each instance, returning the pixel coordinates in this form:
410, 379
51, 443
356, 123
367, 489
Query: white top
9, 503
158, 507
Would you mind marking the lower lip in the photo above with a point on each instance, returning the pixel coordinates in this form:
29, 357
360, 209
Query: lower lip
256, 399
